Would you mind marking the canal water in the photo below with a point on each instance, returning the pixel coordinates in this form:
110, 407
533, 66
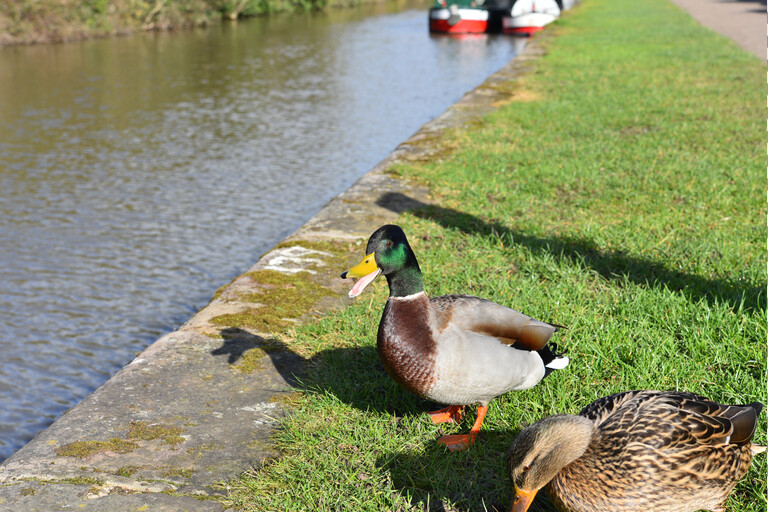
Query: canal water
139, 174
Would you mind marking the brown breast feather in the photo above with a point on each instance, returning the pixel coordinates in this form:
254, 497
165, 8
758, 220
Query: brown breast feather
406, 344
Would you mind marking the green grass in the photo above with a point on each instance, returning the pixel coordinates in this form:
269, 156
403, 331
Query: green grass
620, 193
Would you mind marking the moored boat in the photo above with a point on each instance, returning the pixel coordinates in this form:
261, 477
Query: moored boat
458, 17
527, 17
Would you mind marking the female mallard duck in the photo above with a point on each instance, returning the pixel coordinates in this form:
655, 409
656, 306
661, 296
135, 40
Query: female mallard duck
663, 451
454, 349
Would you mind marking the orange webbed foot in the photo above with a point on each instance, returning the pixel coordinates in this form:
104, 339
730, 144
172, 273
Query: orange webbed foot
450, 414
457, 442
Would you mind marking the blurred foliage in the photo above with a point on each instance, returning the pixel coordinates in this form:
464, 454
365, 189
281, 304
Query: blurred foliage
35, 21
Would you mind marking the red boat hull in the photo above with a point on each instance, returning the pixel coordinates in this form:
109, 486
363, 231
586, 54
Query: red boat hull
523, 31
527, 19
463, 21
462, 27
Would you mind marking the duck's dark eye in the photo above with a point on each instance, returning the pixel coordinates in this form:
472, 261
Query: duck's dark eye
389, 243
526, 468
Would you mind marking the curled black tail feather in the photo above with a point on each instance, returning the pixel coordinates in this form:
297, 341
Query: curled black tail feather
548, 354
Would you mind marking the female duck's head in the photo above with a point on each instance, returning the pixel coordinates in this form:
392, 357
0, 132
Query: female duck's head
541, 450
388, 253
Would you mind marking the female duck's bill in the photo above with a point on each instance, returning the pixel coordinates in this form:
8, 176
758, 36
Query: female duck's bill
366, 271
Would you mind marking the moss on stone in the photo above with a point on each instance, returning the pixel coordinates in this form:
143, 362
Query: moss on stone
173, 471
260, 446
83, 449
291, 398
283, 299
197, 496
250, 361
220, 290
27, 491
80, 480
143, 431
333, 248
247, 318
197, 451
126, 471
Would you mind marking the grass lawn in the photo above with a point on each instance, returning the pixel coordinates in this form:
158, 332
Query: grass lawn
620, 193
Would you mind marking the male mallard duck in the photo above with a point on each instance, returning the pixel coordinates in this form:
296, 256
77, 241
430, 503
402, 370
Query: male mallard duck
453, 349
636, 451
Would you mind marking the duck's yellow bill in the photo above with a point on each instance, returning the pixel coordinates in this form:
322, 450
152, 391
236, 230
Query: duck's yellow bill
366, 270
362, 269
522, 500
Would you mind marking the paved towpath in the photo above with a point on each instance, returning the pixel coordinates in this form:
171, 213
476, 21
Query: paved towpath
744, 21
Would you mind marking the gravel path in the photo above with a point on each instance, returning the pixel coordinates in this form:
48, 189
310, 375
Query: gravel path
744, 21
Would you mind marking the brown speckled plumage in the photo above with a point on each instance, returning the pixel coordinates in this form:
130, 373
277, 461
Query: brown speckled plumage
647, 450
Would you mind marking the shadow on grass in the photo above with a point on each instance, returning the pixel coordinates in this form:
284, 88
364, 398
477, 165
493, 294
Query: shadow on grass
611, 265
473, 480
356, 377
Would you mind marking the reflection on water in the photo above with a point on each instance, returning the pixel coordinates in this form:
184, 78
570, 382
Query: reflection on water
139, 174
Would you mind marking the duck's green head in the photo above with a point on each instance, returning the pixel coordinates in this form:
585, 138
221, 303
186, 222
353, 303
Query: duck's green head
388, 253
541, 450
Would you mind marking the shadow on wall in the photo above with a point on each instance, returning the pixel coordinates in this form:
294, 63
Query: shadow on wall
237, 342
610, 264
